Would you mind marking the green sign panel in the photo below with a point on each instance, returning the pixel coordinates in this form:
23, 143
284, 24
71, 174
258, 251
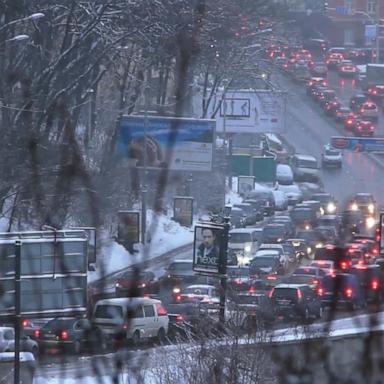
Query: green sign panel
264, 169
240, 165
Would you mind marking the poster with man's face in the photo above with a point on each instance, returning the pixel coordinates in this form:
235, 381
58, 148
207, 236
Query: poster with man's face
381, 233
207, 249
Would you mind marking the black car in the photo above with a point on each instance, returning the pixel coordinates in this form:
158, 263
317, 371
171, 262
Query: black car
371, 280
274, 233
303, 217
265, 265
327, 201
295, 301
356, 102
71, 334
257, 309
237, 218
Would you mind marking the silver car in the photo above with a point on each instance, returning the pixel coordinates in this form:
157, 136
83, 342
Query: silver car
7, 342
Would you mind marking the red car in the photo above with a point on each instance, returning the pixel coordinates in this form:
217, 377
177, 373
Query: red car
364, 128
351, 121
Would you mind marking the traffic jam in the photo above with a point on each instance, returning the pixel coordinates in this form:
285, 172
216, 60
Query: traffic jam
294, 256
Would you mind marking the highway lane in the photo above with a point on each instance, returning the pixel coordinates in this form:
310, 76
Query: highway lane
308, 129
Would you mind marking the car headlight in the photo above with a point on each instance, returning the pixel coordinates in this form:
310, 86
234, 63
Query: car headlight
354, 207
247, 248
118, 285
319, 245
176, 290
331, 207
307, 227
370, 222
322, 211
309, 250
371, 208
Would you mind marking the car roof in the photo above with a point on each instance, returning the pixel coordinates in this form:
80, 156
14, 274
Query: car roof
245, 230
305, 157
127, 301
201, 286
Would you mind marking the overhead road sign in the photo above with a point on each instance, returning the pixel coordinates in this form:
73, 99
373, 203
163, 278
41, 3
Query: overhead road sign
358, 144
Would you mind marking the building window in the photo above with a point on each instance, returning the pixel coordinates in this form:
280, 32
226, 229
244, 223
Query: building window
372, 6
350, 6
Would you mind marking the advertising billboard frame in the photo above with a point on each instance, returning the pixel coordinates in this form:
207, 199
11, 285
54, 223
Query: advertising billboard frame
179, 214
243, 182
206, 260
133, 216
175, 143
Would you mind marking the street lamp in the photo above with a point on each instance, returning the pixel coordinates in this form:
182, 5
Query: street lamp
34, 16
17, 38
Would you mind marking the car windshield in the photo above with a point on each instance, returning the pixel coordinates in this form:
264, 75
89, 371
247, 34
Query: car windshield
238, 271
336, 282
248, 299
180, 267
196, 291
239, 238
263, 262
299, 279
109, 311
310, 235
274, 231
301, 214
284, 293
332, 152
311, 164
363, 199
322, 198
132, 275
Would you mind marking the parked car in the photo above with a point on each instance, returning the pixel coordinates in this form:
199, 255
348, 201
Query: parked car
295, 301
71, 335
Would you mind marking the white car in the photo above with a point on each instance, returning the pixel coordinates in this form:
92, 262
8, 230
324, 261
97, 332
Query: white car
293, 193
331, 157
284, 174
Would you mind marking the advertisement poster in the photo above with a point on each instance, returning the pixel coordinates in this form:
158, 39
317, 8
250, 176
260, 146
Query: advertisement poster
358, 144
128, 230
208, 249
179, 144
183, 210
381, 233
245, 184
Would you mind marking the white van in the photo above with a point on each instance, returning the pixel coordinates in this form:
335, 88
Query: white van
136, 318
244, 242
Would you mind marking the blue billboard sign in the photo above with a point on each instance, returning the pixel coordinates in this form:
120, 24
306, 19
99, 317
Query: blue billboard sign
358, 144
175, 143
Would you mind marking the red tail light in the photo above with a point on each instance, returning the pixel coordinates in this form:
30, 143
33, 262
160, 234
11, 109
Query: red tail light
320, 291
125, 326
349, 121
180, 318
25, 323
375, 284
315, 281
64, 335
299, 294
343, 265
178, 297
37, 333
348, 292
270, 293
252, 290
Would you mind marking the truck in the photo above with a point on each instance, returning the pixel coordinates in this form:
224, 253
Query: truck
53, 275
374, 75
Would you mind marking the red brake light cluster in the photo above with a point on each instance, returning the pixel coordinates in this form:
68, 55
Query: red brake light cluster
299, 294
320, 291
375, 284
64, 335
37, 333
349, 292
25, 323
180, 318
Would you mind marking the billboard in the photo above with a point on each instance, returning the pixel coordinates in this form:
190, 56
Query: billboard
358, 144
183, 210
209, 250
264, 169
245, 184
165, 142
128, 228
249, 111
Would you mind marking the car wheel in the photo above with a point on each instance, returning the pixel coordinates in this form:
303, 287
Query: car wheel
161, 336
76, 348
136, 338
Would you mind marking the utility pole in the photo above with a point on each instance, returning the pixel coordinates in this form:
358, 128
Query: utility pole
223, 268
144, 188
16, 377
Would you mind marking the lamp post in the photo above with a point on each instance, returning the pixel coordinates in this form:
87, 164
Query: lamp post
34, 16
